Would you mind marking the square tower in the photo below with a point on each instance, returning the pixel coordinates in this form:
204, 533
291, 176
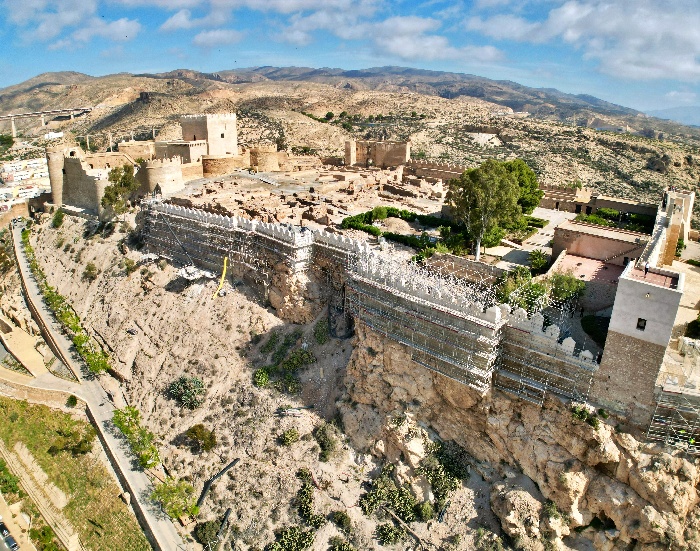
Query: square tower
218, 130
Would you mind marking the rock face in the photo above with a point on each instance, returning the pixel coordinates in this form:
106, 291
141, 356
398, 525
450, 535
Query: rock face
636, 491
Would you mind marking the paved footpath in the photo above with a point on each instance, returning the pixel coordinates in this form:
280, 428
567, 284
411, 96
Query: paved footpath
164, 536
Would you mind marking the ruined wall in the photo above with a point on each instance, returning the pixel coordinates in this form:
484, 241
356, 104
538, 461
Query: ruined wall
192, 171
138, 150
265, 158
377, 153
442, 171
81, 189
218, 166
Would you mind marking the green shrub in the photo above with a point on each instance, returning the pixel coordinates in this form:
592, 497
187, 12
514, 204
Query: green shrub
9, 483
261, 377
379, 213
305, 504
538, 259
445, 466
45, 539
550, 509
680, 246
130, 266
388, 534
288, 437
90, 273
271, 343
57, 220
594, 219
566, 286
336, 543
188, 391
292, 538
140, 439
342, 520
176, 497
72, 401
325, 436
205, 532
693, 262
582, 414
384, 490
203, 438
608, 214
424, 511
321, 332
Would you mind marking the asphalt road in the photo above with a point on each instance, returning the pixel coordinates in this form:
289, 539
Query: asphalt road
91, 392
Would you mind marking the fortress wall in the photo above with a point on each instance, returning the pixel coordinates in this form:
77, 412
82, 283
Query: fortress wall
106, 161
138, 150
443, 171
189, 152
192, 171
213, 166
163, 173
80, 189
219, 130
266, 159
444, 325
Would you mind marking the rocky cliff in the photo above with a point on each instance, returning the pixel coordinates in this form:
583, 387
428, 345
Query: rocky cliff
556, 480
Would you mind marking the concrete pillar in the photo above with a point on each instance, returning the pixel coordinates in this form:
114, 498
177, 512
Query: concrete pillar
72, 116
14, 128
43, 120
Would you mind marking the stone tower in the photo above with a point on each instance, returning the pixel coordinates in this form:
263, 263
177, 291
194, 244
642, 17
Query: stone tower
218, 130
54, 158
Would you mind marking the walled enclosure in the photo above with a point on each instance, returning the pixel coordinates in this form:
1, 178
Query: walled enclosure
449, 326
381, 154
606, 244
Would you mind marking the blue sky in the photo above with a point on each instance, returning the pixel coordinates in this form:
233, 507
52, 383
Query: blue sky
643, 54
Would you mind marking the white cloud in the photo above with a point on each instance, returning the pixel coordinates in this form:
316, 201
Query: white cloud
217, 37
183, 20
638, 39
120, 30
681, 97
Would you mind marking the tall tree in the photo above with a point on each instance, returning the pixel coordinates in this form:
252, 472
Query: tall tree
123, 185
483, 197
530, 192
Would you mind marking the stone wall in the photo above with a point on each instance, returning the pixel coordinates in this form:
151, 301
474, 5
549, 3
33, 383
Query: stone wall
442, 171
164, 174
265, 158
213, 166
626, 380
138, 150
577, 240
192, 171
81, 189
189, 152
377, 153
106, 161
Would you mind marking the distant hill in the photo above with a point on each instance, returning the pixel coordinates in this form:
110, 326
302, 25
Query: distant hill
683, 115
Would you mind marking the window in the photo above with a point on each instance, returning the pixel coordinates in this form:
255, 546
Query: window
578, 209
626, 261
641, 324
589, 210
222, 135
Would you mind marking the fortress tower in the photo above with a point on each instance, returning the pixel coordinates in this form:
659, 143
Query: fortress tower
218, 130
54, 158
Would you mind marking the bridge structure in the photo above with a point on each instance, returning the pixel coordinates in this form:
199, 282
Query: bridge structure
73, 111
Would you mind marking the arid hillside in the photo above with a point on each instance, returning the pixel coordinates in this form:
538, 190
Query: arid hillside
290, 110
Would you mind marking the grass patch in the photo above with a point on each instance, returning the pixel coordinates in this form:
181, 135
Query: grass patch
596, 327
102, 520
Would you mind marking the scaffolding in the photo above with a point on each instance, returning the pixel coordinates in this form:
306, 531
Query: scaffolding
458, 343
676, 418
541, 357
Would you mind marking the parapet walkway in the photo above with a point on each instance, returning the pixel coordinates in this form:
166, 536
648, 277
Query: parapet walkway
156, 525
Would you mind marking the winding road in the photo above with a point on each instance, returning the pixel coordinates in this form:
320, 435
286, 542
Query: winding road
157, 526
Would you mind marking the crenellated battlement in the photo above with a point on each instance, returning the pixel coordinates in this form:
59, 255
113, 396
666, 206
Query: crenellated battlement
209, 116
449, 325
157, 163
